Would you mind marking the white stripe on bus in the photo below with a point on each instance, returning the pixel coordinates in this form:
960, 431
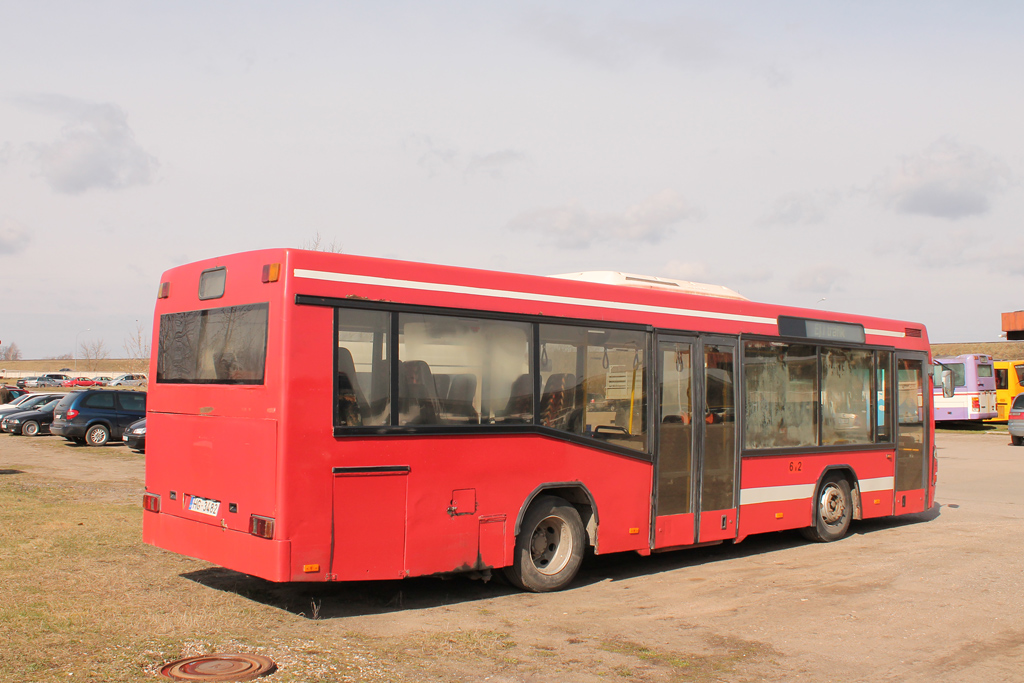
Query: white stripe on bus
792, 492
547, 298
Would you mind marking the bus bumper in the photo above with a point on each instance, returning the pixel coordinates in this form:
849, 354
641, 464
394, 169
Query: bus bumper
237, 550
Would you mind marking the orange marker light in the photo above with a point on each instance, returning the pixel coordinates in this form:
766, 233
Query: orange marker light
271, 272
310, 568
778, 515
164, 290
634, 530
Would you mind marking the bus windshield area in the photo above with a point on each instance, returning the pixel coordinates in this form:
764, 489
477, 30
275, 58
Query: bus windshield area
214, 346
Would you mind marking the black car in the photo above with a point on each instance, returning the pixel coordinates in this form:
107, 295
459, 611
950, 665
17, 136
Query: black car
29, 402
29, 422
135, 435
97, 416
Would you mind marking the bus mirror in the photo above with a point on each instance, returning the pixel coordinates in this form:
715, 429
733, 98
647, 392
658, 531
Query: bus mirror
947, 384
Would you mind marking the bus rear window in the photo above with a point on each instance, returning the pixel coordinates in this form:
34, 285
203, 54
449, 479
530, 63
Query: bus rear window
215, 346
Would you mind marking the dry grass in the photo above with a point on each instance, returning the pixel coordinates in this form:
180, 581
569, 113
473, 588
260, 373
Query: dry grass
1007, 350
83, 599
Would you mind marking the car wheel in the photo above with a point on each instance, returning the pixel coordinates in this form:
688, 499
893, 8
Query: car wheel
30, 428
98, 435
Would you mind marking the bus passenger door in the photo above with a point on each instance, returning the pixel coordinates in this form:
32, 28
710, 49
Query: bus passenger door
718, 510
675, 522
912, 447
695, 484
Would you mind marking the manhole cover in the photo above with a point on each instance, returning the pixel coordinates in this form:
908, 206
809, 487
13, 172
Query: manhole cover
219, 668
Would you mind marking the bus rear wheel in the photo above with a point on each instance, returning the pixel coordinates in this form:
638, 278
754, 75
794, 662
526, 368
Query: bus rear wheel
833, 510
549, 547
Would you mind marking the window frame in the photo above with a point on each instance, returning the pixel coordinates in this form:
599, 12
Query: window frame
533, 427
818, 447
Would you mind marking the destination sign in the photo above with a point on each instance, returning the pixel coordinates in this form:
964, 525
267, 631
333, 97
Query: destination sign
821, 329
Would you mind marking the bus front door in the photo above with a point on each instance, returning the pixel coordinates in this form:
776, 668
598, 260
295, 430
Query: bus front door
912, 447
695, 499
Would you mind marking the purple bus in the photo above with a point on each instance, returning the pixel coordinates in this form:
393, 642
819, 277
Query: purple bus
974, 395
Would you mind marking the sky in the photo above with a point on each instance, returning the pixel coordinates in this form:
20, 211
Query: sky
857, 157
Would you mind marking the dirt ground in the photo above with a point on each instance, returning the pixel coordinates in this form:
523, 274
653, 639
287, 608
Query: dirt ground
930, 597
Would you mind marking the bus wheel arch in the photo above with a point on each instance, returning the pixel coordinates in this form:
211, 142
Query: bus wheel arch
835, 504
548, 547
551, 533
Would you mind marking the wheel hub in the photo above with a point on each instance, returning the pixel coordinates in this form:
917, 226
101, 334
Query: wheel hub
833, 506
551, 546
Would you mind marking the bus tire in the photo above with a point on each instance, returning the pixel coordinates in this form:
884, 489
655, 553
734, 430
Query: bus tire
30, 428
1017, 440
833, 510
549, 547
97, 435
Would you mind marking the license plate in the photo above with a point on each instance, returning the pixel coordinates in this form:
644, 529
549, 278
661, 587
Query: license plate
204, 506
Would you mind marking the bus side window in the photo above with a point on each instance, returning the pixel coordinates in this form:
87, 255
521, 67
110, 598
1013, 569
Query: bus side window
351, 402
363, 379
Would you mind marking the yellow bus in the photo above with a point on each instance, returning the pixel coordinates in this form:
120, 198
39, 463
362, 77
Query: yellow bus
1009, 383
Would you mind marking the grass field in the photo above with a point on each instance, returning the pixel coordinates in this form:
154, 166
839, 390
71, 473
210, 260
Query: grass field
83, 599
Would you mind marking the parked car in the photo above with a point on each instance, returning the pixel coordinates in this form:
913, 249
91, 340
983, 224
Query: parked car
14, 392
29, 422
127, 380
46, 382
23, 381
135, 435
97, 416
28, 402
102, 381
1015, 421
80, 382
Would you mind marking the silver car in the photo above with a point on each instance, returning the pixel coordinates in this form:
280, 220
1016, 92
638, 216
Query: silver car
1015, 421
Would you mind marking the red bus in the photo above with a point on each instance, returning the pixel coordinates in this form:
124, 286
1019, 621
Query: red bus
325, 417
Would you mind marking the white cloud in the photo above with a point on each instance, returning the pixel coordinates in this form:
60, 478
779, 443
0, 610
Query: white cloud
14, 236
618, 40
573, 226
809, 208
947, 180
819, 280
495, 165
95, 149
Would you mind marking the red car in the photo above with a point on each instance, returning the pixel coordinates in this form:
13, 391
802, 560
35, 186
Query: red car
80, 382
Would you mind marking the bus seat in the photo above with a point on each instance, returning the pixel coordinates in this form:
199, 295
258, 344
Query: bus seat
442, 383
352, 405
558, 400
418, 394
520, 401
459, 404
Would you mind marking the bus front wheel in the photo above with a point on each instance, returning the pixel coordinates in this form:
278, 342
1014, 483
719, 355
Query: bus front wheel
833, 510
549, 547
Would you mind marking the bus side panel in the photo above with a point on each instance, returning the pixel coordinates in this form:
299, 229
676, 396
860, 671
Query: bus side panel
778, 491
464, 496
504, 472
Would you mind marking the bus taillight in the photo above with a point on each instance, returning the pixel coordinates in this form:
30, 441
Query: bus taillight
261, 526
271, 272
151, 502
975, 404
